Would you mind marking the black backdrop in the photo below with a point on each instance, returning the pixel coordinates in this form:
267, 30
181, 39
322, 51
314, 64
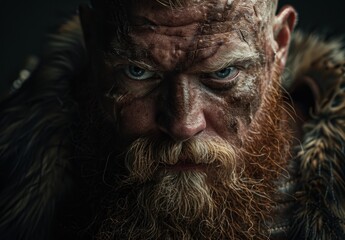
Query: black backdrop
25, 24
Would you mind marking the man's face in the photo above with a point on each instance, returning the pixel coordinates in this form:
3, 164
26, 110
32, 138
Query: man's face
193, 95
195, 72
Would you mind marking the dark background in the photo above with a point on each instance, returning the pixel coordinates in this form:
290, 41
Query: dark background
24, 26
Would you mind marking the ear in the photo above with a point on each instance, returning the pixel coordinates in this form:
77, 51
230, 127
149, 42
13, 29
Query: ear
88, 23
284, 24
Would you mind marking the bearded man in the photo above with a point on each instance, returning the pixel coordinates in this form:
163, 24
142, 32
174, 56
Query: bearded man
158, 119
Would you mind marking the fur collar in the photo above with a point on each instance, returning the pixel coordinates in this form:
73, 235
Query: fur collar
37, 121
314, 207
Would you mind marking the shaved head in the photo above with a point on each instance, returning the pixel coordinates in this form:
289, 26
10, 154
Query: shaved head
116, 12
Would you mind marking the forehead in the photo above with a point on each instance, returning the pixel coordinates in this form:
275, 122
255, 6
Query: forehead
202, 29
198, 11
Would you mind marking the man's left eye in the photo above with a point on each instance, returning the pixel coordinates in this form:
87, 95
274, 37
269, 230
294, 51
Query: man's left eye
137, 73
225, 73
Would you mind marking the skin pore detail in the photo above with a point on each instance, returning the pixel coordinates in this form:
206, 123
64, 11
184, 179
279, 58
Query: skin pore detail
189, 49
178, 48
191, 37
193, 95
176, 119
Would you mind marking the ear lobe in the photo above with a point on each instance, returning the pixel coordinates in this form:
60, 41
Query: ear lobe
284, 24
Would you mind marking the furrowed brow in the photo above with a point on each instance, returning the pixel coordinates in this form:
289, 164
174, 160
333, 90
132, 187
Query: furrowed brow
143, 65
231, 58
120, 61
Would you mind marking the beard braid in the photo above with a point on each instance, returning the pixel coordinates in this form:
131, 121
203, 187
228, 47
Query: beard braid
232, 198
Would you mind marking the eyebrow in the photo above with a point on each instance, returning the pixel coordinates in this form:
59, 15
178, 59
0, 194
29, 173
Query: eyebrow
143, 64
227, 59
118, 61
221, 61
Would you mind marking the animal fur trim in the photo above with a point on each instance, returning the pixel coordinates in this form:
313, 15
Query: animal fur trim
314, 207
35, 128
37, 122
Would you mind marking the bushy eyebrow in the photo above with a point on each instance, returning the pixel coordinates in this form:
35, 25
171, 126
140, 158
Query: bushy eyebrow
120, 61
143, 65
221, 60
226, 59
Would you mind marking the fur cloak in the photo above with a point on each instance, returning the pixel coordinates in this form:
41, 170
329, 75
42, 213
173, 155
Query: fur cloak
37, 123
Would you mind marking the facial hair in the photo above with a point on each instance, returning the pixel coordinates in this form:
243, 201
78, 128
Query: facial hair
231, 195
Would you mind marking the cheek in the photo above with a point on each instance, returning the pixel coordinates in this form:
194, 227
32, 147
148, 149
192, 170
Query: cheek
136, 118
231, 115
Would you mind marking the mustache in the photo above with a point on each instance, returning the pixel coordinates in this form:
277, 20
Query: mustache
199, 199
146, 155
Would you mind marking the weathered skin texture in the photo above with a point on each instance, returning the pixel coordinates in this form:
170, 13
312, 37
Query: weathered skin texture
183, 100
193, 96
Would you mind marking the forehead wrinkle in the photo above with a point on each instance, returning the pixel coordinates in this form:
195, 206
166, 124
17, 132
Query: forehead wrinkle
187, 44
216, 63
177, 17
203, 27
231, 50
215, 14
206, 29
180, 31
254, 12
168, 17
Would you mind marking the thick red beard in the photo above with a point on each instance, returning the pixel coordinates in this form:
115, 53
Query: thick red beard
234, 195
231, 198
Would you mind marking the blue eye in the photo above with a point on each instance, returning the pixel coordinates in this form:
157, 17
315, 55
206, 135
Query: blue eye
225, 73
137, 73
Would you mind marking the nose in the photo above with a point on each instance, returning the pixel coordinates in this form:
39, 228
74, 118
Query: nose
181, 114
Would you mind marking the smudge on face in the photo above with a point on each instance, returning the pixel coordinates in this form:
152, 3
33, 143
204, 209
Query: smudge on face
195, 91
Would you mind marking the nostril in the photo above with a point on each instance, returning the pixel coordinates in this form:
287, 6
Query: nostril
182, 130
